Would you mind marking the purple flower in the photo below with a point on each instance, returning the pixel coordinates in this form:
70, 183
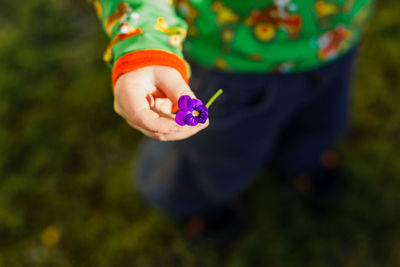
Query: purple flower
191, 111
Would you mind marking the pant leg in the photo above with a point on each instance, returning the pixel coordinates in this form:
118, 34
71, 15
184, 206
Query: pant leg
246, 123
317, 124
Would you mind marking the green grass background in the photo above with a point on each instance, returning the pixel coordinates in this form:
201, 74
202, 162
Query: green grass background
66, 193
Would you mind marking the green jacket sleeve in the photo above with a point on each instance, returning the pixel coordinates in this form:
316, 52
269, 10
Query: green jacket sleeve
142, 33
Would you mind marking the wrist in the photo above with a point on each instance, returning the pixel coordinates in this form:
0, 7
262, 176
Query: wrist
152, 57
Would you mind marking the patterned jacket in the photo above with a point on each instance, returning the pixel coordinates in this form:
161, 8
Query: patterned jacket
233, 35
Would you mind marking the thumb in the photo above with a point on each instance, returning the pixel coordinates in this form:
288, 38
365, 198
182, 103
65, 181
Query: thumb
172, 84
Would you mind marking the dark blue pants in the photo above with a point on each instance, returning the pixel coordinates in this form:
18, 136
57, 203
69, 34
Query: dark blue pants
279, 121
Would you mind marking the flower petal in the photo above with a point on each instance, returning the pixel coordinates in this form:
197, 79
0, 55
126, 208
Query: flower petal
190, 120
201, 108
203, 114
183, 102
202, 118
193, 103
180, 116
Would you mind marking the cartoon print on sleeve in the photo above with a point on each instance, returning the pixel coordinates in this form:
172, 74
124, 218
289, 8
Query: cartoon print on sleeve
127, 19
98, 8
332, 43
118, 15
176, 34
266, 22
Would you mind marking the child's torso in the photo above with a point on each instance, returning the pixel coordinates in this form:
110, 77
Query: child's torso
295, 35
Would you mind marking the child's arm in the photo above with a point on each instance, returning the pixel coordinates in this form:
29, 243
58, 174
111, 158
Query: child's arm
145, 51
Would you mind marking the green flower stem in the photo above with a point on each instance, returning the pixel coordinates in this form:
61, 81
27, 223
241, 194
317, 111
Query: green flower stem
212, 99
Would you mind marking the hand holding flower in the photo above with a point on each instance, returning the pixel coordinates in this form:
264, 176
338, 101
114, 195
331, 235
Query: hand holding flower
144, 98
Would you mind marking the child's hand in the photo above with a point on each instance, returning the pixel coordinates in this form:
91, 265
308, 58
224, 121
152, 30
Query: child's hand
144, 98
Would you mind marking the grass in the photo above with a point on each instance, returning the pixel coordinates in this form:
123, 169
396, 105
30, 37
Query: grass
66, 193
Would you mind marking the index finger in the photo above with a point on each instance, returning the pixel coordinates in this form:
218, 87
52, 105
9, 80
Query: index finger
154, 122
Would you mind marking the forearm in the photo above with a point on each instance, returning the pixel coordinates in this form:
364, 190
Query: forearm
142, 33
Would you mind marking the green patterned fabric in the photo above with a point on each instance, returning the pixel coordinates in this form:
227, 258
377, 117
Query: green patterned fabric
240, 36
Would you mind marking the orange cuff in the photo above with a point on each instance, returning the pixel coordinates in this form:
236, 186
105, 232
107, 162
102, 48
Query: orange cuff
143, 58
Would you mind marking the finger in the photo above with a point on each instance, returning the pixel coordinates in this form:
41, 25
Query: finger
136, 109
163, 106
152, 121
186, 134
158, 94
175, 135
173, 85
163, 124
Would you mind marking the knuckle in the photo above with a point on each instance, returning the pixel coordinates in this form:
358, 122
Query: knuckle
139, 120
185, 91
159, 131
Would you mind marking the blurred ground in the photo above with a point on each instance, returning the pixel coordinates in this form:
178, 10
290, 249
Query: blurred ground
66, 197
